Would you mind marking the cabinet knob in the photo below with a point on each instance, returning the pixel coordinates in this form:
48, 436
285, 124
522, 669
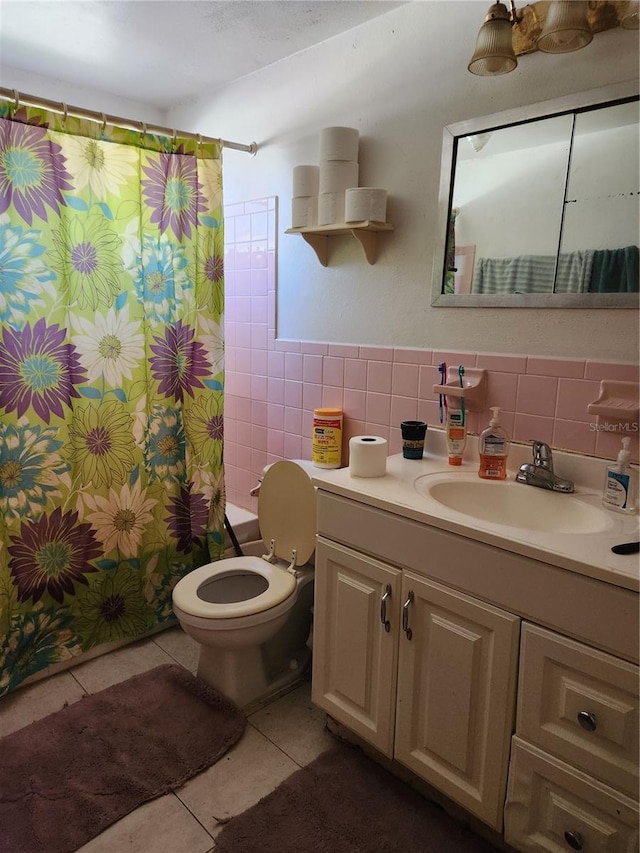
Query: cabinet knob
574, 840
405, 615
588, 722
383, 608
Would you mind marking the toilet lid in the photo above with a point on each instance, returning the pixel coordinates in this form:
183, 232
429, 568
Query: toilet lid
287, 511
188, 593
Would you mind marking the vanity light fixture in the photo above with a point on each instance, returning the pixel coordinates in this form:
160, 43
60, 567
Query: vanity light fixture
558, 26
631, 18
494, 52
566, 28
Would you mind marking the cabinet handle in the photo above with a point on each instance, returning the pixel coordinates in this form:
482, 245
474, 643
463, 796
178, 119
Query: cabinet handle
574, 840
405, 615
588, 721
383, 608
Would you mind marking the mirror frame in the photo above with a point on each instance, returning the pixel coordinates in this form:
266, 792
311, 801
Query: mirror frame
520, 115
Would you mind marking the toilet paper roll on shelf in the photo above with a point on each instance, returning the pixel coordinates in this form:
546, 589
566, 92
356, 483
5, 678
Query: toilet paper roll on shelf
305, 181
304, 211
330, 208
336, 175
367, 456
339, 143
365, 203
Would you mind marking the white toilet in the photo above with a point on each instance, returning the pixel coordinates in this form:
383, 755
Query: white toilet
252, 615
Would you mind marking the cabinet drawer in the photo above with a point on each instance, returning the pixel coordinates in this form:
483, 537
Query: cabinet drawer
581, 705
553, 808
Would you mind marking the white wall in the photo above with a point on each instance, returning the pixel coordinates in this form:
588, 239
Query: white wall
79, 96
399, 79
606, 210
511, 203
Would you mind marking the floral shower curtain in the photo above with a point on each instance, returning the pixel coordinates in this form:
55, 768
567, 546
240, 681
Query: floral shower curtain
111, 381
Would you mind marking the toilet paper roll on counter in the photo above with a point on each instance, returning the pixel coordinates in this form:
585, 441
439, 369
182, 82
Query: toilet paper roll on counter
336, 175
367, 456
363, 203
305, 180
339, 143
304, 211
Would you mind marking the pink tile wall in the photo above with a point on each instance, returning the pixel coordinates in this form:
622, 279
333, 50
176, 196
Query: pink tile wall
272, 386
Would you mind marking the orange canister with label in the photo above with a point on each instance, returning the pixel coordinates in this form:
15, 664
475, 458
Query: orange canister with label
326, 449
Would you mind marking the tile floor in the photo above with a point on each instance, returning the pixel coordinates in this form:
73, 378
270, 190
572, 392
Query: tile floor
279, 738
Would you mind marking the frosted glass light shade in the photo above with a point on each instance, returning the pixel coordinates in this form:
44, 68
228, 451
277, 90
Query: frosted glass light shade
566, 28
494, 48
631, 18
478, 140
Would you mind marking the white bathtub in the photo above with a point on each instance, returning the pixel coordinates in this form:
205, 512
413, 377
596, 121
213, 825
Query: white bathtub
245, 527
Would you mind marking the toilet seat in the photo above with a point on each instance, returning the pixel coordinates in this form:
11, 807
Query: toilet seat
287, 519
281, 584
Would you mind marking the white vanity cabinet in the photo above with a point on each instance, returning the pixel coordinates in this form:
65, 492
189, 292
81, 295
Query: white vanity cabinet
422, 672
573, 782
483, 671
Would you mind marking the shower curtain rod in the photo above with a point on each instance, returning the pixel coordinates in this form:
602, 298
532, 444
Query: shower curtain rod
18, 98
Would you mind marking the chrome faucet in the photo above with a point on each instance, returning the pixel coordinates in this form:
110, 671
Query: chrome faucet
540, 471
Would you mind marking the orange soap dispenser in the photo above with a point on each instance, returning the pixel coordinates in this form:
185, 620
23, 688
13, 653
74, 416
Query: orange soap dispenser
493, 447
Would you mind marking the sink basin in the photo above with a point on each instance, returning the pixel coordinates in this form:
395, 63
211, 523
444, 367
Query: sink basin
514, 504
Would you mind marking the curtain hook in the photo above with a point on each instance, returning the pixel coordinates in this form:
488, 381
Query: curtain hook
104, 124
64, 113
144, 131
175, 136
16, 104
200, 144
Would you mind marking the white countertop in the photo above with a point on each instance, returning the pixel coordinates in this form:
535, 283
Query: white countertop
585, 553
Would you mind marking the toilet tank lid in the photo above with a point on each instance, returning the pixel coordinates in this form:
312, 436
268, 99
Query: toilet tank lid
287, 511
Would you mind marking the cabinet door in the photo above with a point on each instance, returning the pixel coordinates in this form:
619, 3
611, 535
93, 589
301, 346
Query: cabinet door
456, 694
354, 655
554, 808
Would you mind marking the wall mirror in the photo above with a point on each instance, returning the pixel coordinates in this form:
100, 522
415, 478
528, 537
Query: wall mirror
540, 206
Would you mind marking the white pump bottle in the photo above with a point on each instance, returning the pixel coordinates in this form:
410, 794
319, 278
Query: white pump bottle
621, 483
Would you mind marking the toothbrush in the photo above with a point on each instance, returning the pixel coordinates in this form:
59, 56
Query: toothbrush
461, 375
442, 370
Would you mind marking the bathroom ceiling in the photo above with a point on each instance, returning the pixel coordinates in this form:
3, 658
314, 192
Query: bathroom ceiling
162, 51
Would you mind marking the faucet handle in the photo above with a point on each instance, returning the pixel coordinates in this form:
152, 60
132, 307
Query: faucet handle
542, 455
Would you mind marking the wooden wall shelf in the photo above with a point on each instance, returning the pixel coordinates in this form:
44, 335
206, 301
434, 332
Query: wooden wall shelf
365, 232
